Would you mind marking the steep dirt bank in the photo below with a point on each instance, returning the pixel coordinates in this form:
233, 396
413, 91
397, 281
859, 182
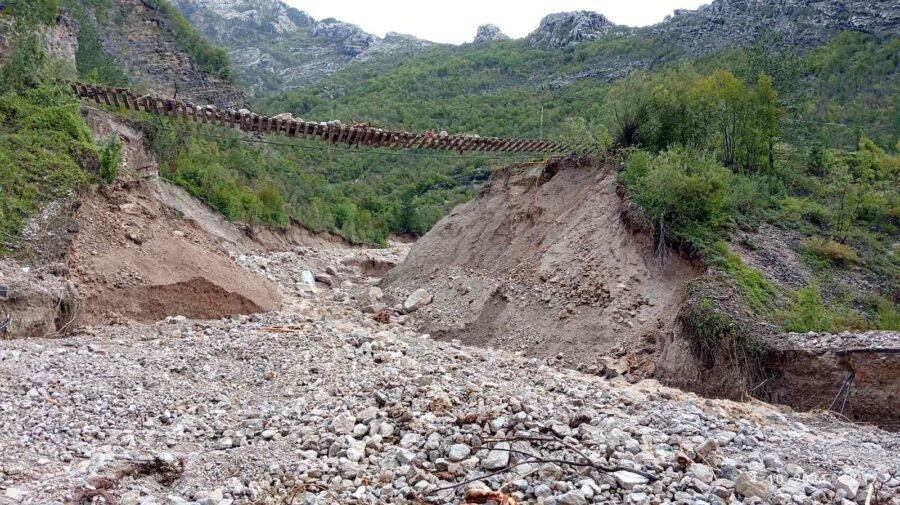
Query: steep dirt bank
39, 302
120, 253
135, 259
541, 262
857, 373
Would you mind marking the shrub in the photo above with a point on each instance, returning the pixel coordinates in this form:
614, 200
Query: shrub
886, 312
584, 139
110, 158
841, 254
684, 192
713, 331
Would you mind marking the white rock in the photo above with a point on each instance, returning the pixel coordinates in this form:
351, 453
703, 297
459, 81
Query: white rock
497, 458
459, 452
849, 485
702, 473
628, 480
343, 423
574, 497
307, 278
356, 451
16, 494
418, 299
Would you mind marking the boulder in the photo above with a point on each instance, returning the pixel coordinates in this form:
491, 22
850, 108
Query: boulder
747, 486
418, 299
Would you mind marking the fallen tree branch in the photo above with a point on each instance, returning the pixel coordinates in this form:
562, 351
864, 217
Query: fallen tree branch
537, 458
476, 479
588, 462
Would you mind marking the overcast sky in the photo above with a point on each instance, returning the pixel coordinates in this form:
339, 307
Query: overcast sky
456, 21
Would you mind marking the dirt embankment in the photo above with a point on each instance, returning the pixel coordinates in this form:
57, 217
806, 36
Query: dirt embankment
134, 259
541, 262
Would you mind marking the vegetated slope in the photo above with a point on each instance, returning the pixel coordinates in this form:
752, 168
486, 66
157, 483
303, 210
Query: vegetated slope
275, 46
516, 88
541, 262
44, 42
483, 86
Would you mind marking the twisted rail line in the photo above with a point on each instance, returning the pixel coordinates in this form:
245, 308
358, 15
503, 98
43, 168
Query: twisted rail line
331, 132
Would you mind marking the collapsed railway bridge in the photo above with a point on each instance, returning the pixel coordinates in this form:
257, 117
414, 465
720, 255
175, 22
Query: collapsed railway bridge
331, 132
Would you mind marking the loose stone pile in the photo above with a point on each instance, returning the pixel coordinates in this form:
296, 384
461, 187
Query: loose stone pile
328, 406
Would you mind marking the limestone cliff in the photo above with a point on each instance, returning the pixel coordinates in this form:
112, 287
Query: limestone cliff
275, 46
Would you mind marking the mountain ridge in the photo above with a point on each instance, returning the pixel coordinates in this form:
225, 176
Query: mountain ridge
276, 46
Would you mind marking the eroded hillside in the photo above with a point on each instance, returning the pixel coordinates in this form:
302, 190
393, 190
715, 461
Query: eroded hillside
540, 261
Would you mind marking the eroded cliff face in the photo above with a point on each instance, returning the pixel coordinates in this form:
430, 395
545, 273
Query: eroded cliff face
541, 263
142, 39
854, 374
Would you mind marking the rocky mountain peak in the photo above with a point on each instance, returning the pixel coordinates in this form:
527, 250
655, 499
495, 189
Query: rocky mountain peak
565, 29
351, 39
246, 16
723, 24
488, 33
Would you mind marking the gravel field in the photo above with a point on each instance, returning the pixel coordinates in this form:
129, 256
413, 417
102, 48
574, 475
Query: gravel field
319, 403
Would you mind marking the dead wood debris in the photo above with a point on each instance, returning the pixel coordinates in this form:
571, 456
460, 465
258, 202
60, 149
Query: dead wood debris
166, 472
479, 496
539, 458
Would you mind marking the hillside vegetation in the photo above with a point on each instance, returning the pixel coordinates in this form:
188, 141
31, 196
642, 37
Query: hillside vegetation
46, 148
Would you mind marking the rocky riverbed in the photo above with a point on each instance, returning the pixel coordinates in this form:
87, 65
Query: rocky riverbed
319, 403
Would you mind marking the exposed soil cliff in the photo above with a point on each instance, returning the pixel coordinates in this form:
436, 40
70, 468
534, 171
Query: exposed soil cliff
134, 259
541, 262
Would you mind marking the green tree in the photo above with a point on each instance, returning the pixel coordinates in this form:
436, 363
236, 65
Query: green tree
768, 112
628, 110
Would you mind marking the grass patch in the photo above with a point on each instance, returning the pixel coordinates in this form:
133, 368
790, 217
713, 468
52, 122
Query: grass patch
808, 311
111, 158
33, 12
759, 292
